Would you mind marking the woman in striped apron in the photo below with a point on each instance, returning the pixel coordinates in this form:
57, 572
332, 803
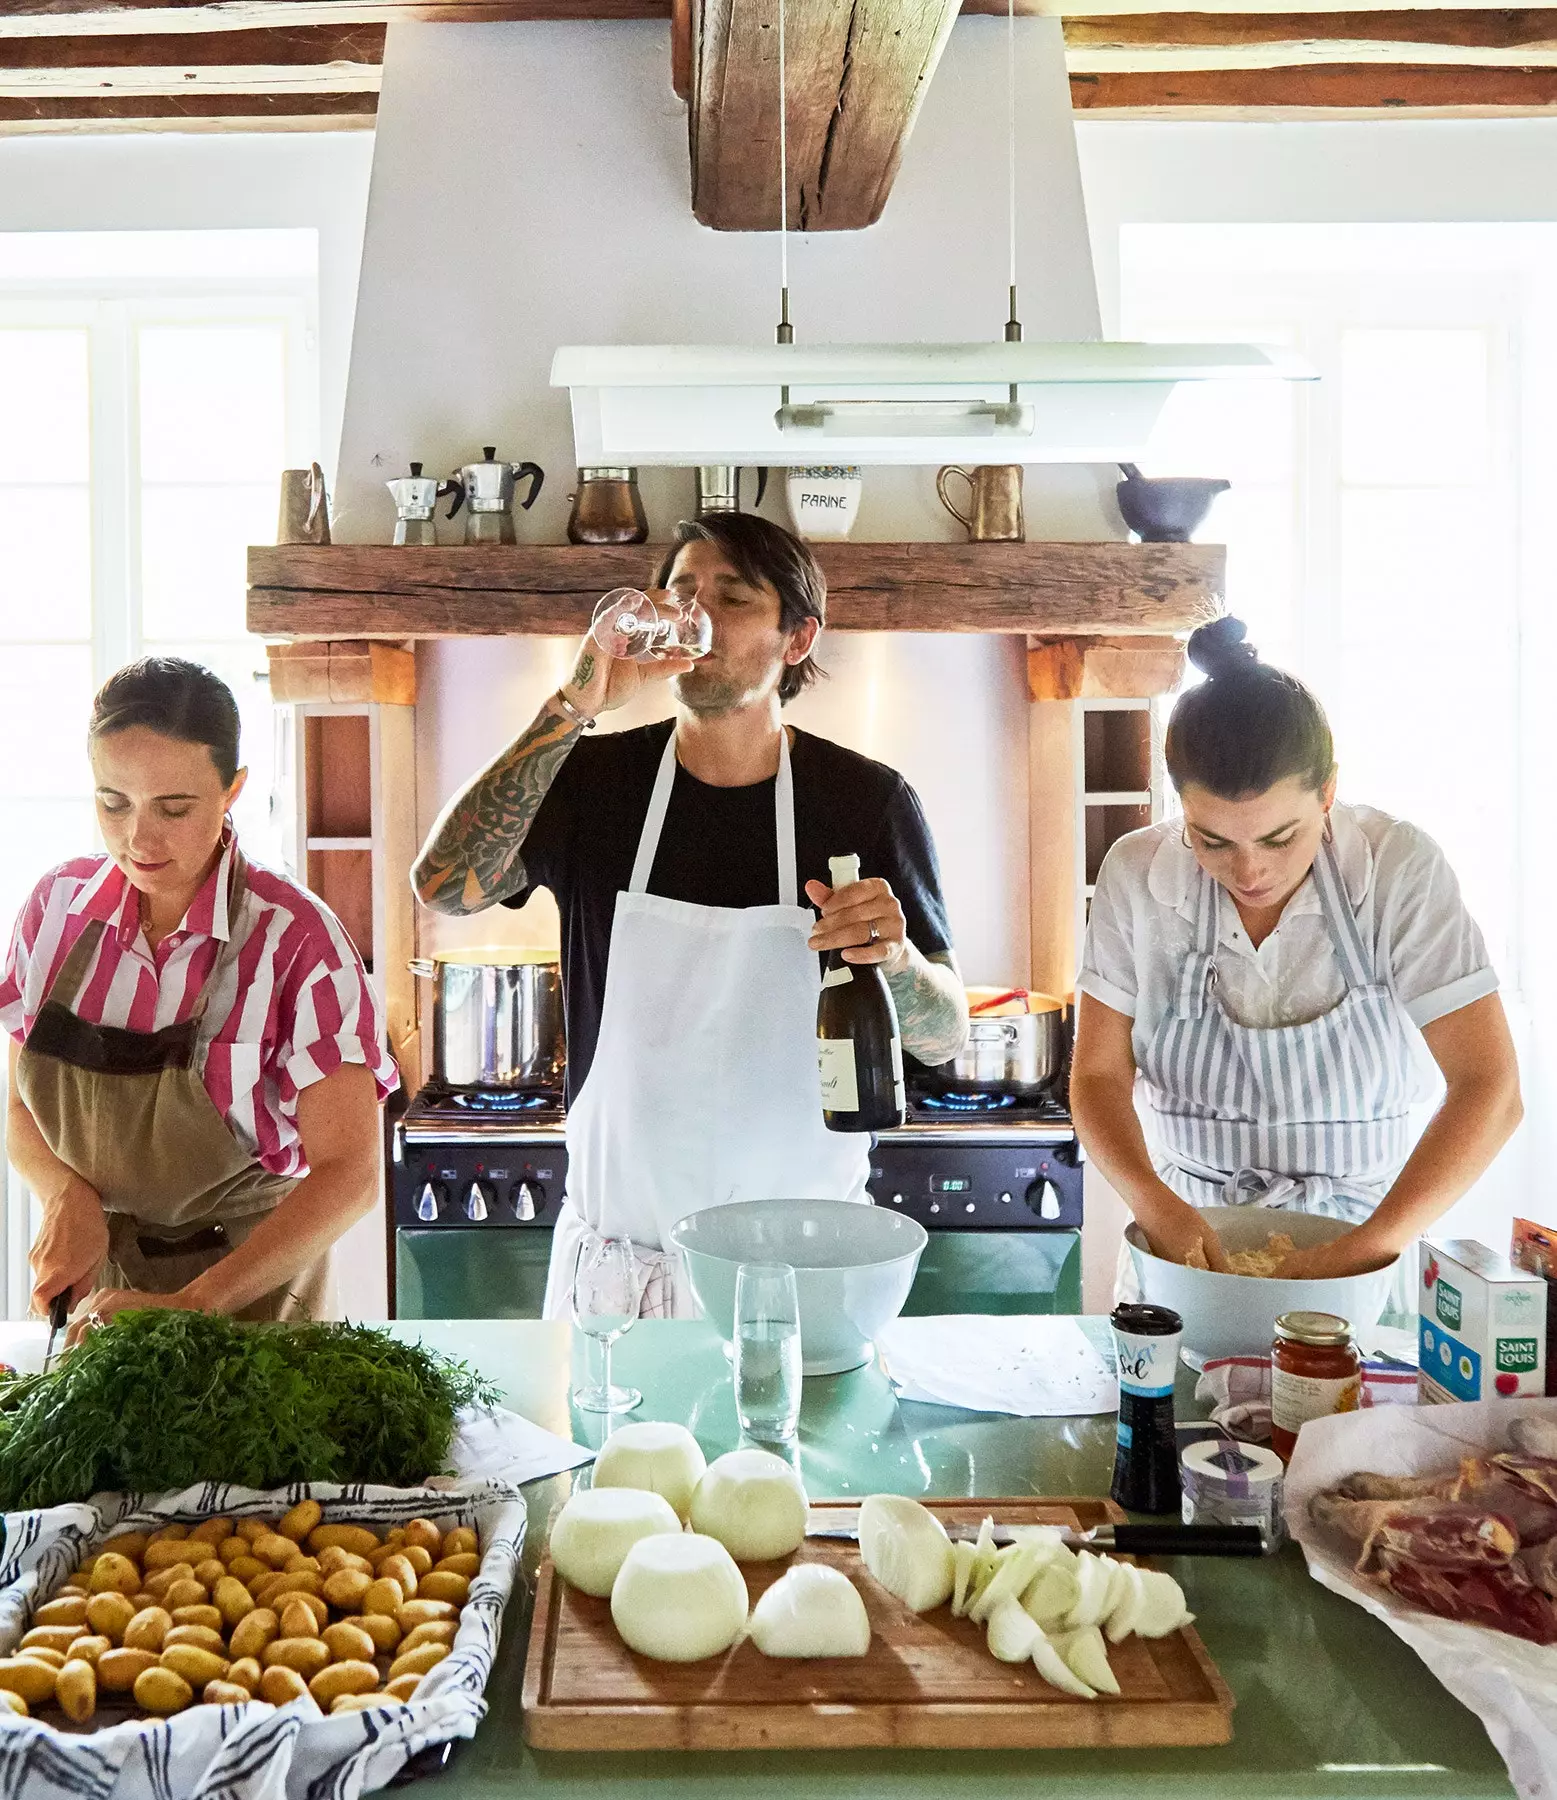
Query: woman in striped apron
1271, 978
197, 1063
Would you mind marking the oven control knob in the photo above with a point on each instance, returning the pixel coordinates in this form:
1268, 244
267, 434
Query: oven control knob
1044, 1199
476, 1202
527, 1201
429, 1202
1005, 1198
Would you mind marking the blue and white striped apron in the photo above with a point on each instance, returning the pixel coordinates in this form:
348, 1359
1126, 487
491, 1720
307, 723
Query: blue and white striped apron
1307, 1118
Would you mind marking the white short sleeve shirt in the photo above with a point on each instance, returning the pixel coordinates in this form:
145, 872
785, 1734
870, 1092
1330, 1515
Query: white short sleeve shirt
1407, 900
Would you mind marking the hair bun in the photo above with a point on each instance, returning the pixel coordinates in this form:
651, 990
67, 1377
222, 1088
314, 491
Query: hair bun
1219, 649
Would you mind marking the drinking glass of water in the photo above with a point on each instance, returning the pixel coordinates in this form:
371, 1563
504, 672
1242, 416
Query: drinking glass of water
606, 1291
767, 1351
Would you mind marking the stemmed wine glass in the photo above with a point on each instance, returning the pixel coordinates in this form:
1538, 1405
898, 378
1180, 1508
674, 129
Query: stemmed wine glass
628, 623
606, 1291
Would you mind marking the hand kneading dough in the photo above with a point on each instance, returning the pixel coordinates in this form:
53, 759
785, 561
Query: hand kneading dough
812, 1610
679, 1599
664, 1459
752, 1501
592, 1534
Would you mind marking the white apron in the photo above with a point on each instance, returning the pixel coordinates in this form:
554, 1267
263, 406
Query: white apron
1305, 1118
704, 1088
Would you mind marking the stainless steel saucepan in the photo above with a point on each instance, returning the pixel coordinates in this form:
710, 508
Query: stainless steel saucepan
497, 1017
1016, 1042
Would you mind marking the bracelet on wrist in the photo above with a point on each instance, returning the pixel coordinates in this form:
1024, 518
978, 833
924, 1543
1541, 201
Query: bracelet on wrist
581, 719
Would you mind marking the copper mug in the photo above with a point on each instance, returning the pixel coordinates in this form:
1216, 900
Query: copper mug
994, 512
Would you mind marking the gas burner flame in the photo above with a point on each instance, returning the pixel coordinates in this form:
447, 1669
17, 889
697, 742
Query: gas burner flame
968, 1103
502, 1101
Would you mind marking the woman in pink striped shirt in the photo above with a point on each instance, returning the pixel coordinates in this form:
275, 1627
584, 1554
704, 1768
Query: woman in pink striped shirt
197, 1063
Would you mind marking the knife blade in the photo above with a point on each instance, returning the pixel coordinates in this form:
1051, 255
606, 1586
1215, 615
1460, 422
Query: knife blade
1128, 1540
59, 1311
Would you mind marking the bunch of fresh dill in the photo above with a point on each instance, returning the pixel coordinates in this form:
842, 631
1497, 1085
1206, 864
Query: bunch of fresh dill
165, 1400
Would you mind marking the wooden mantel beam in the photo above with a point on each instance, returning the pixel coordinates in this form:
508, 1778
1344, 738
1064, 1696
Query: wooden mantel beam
855, 77
74, 18
1211, 40
1319, 90
320, 58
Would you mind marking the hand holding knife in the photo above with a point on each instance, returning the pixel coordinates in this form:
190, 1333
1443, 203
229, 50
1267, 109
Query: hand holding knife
59, 1312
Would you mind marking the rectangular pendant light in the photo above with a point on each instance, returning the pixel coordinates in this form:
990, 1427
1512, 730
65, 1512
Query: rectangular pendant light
887, 403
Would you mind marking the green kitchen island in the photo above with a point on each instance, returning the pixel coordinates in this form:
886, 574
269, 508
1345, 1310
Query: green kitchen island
1329, 1703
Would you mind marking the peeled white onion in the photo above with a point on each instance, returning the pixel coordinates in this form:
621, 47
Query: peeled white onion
1124, 1602
1086, 1656
594, 1531
1163, 1608
906, 1549
661, 1458
679, 1598
812, 1610
1012, 1633
753, 1503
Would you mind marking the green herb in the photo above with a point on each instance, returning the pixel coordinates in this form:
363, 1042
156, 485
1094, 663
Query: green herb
166, 1400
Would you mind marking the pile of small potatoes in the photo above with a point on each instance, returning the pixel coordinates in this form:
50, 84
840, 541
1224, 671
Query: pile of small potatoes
233, 1611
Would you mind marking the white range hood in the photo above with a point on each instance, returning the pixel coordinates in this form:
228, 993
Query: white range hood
886, 403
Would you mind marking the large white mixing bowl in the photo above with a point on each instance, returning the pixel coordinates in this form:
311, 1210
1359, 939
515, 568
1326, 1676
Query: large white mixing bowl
853, 1263
1235, 1315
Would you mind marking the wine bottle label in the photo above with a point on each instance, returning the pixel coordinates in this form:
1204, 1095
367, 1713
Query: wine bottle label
898, 1094
840, 1083
838, 977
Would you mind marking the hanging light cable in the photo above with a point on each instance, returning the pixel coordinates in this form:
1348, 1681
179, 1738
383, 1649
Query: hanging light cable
1013, 322
786, 331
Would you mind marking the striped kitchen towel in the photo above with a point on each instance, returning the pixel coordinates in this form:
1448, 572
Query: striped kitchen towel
1238, 1388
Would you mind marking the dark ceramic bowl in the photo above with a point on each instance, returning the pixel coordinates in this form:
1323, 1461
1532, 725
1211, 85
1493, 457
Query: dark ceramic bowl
1166, 509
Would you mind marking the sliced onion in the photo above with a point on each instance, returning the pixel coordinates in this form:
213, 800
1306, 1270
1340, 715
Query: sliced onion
1086, 1656
1057, 1672
1011, 1634
1124, 1603
1163, 1608
906, 1549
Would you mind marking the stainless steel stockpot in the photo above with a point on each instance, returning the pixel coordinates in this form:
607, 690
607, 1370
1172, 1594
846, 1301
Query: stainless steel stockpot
497, 1018
1020, 1054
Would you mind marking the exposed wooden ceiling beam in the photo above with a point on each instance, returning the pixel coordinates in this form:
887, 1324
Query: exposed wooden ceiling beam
187, 112
1164, 41
855, 78
1338, 90
59, 18
326, 59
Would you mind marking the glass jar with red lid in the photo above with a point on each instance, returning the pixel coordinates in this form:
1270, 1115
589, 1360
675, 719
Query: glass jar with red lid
1314, 1371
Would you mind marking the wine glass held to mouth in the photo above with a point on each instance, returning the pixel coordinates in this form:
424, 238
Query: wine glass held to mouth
651, 627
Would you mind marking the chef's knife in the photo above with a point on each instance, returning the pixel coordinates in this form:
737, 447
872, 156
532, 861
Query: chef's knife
1128, 1540
59, 1311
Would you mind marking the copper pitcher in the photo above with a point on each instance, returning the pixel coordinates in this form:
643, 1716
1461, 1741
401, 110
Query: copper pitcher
607, 508
994, 512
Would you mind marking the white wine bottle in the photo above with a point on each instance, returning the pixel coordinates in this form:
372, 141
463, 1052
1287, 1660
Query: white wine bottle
857, 1044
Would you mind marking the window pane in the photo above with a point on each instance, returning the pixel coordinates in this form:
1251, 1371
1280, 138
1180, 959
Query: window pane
1420, 561
45, 701
194, 544
213, 403
1414, 407
41, 835
46, 571
45, 411
1259, 526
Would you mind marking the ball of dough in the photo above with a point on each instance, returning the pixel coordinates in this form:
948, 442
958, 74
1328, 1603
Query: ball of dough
811, 1610
752, 1501
664, 1459
679, 1599
592, 1534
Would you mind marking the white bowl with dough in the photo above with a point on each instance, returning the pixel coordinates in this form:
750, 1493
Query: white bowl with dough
1235, 1315
854, 1264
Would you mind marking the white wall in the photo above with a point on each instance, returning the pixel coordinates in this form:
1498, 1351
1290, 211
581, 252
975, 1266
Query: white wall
587, 235
209, 181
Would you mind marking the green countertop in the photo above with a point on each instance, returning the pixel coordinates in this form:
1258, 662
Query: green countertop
1329, 1701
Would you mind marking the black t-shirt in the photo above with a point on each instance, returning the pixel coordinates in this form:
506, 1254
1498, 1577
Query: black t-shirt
718, 848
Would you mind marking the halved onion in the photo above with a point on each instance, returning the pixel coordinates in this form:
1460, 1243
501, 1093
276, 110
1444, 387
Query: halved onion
811, 1610
906, 1549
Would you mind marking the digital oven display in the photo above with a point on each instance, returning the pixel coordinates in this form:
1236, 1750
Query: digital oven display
950, 1184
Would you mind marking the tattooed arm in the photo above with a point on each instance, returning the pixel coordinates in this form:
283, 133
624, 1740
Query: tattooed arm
865, 921
932, 1005
471, 859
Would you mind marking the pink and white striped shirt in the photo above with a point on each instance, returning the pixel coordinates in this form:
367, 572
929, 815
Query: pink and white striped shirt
292, 1005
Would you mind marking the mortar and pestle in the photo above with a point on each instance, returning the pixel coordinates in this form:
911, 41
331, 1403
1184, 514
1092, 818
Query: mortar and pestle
1166, 509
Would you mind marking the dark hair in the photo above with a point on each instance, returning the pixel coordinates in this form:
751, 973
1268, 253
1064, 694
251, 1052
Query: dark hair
179, 699
1247, 725
762, 552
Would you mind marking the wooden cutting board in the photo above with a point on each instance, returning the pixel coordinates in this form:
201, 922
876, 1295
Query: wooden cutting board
928, 1681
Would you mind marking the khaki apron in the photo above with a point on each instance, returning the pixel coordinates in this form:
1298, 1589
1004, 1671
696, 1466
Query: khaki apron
128, 1112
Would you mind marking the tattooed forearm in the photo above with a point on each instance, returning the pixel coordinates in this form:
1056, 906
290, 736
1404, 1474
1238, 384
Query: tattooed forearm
932, 1006
471, 860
